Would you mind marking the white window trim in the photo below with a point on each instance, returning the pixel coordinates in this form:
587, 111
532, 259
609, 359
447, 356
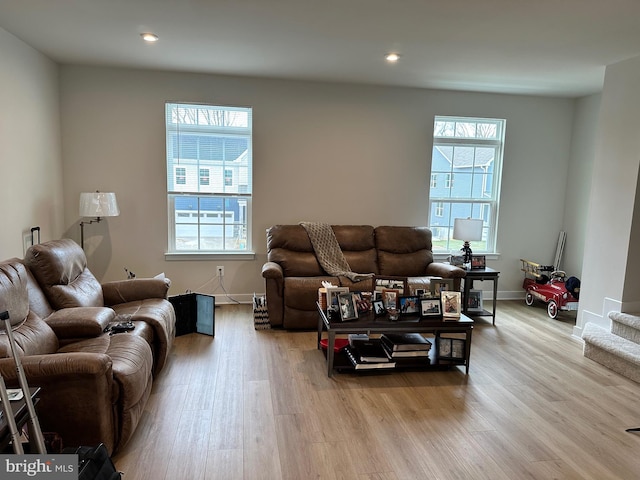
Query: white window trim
498, 144
248, 253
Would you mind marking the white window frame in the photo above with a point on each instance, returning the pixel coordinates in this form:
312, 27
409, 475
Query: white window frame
448, 180
204, 176
481, 204
236, 226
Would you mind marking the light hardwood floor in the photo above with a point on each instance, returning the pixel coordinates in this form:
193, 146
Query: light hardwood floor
258, 405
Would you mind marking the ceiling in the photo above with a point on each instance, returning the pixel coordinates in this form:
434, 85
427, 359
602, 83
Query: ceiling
538, 47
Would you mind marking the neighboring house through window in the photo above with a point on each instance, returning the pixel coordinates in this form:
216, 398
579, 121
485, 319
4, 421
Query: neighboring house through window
469, 150
209, 178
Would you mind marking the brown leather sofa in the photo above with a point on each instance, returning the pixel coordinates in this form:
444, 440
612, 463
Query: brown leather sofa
94, 385
293, 275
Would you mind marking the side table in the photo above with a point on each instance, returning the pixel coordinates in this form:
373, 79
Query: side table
480, 275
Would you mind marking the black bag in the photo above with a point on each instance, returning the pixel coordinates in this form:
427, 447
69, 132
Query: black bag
94, 463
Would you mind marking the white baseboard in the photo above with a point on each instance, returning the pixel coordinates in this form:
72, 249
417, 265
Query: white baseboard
235, 298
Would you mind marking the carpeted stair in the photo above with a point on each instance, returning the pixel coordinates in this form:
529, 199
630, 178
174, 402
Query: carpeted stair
618, 349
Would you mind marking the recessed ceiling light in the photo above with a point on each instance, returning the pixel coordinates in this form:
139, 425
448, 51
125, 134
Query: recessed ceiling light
392, 57
149, 37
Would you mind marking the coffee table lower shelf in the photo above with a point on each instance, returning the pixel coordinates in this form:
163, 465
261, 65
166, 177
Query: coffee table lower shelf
342, 364
370, 324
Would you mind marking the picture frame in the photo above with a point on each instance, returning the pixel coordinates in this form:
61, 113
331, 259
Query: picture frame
451, 348
378, 308
420, 292
438, 285
390, 298
347, 306
451, 305
474, 301
478, 262
409, 305
430, 307
363, 301
383, 282
332, 296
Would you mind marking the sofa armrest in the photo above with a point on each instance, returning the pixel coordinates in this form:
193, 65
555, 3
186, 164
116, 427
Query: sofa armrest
123, 291
57, 367
77, 396
80, 322
274, 289
272, 270
445, 270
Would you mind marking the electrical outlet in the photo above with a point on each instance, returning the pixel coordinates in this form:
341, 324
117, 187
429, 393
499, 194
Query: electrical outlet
220, 270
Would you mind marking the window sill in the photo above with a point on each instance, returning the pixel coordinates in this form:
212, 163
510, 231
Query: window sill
444, 257
187, 256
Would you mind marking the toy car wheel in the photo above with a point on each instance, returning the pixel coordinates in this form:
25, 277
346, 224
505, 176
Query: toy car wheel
552, 309
528, 299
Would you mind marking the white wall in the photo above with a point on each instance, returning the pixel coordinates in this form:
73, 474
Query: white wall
609, 270
578, 189
30, 157
335, 153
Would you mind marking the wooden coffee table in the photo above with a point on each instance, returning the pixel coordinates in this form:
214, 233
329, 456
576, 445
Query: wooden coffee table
369, 323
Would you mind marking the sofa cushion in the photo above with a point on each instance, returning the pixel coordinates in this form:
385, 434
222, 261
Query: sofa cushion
403, 251
60, 267
301, 293
32, 336
159, 315
290, 247
13, 292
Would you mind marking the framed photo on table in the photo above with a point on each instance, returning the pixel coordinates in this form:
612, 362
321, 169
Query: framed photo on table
409, 305
332, 296
474, 301
348, 308
451, 305
430, 307
478, 262
439, 285
378, 307
392, 283
390, 298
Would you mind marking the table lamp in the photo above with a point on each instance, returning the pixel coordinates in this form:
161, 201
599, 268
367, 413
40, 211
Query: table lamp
96, 204
467, 230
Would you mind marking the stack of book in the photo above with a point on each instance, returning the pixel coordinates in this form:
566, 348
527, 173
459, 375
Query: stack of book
367, 353
406, 347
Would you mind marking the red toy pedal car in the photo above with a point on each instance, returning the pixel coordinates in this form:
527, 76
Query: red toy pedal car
551, 289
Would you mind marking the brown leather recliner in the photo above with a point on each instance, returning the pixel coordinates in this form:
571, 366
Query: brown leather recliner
60, 269
92, 390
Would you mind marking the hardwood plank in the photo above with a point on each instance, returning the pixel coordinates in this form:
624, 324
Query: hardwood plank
253, 404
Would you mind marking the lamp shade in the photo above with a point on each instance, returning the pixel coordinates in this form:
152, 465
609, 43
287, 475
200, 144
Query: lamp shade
467, 229
98, 204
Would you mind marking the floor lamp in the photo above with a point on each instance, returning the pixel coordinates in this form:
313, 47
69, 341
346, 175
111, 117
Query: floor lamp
96, 204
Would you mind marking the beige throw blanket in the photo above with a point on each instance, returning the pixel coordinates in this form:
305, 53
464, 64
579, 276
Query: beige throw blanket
328, 251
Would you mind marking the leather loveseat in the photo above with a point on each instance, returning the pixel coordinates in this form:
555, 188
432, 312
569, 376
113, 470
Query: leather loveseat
94, 385
293, 274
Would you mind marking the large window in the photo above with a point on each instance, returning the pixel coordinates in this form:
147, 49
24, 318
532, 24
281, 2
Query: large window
469, 150
209, 164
